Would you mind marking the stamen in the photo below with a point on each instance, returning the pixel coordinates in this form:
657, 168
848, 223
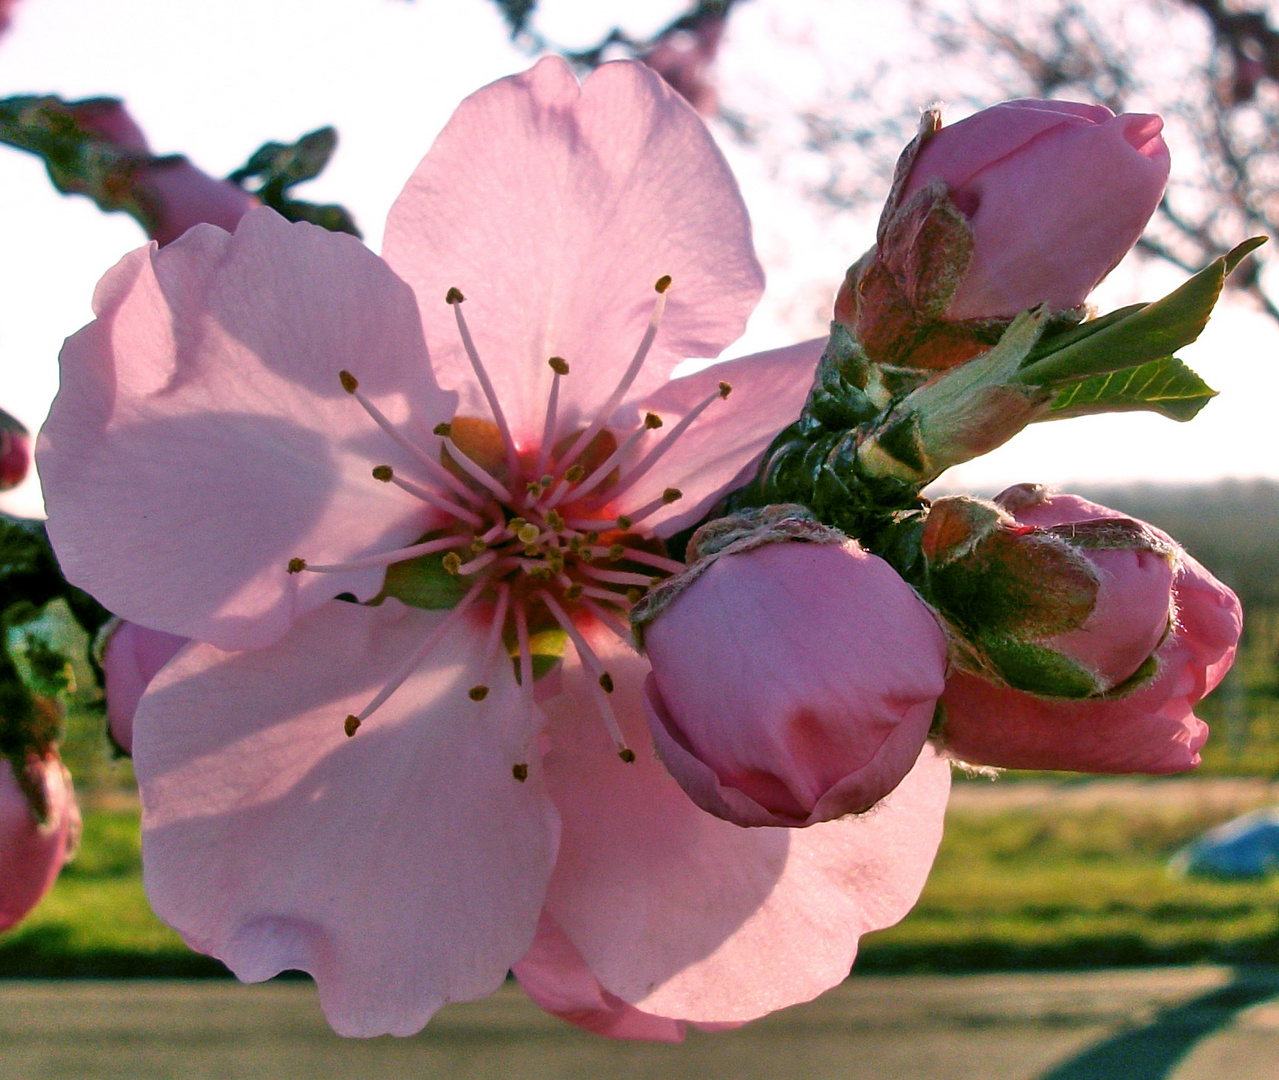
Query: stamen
454, 300
628, 376
526, 658
610, 463
520, 771
610, 621
625, 482
617, 553
351, 386
667, 497
472, 469
617, 577
560, 366
477, 564
387, 475
494, 639
432, 639
603, 685
384, 559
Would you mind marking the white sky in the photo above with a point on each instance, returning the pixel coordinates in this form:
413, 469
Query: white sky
215, 80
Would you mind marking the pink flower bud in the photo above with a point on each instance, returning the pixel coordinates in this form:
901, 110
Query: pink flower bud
15, 451
1151, 729
34, 840
1055, 193
133, 656
793, 682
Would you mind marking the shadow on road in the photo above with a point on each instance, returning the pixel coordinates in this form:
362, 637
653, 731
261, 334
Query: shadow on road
1154, 1051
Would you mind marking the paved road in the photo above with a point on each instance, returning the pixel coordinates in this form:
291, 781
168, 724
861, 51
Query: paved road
1202, 1023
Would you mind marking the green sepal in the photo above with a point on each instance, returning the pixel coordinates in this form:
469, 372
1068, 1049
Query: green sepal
423, 583
1036, 670
277, 167
1165, 386
838, 399
1137, 335
546, 648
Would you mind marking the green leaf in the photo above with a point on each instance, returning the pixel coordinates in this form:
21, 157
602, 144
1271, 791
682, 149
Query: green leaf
1165, 386
1151, 332
275, 168
423, 583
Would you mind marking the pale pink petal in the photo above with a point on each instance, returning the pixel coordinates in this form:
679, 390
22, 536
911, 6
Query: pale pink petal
202, 439
723, 447
682, 914
555, 209
133, 656
404, 867
554, 975
32, 852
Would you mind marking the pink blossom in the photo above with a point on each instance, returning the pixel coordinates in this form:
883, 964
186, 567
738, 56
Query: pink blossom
132, 657
1055, 192
1152, 729
177, 194
793, 683
15, 451
34, 847
378, 793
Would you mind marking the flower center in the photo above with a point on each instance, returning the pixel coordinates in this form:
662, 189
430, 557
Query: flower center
540, 542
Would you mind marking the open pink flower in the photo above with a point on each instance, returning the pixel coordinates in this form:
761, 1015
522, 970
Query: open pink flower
1152, 729
477, 432
34, 846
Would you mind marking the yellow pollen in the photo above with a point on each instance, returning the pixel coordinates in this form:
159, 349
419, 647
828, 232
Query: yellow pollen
574, 591
351, 725
634, 594
623, 523
652, 421
554, 520
383, 473
296, 566
558, 365
575, 474
533, 551
349, 382
478, 693
627, 755
443, 430
533, 488
454, 296
555, 560
528, 532
520, 772
606, 681
663, 283
671, 495
591, 537
452, 562
616, 553
478, 545
586, 555
547, 480
516, 524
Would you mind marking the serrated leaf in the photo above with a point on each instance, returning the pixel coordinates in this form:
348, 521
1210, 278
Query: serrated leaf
1165, 386
1152, 332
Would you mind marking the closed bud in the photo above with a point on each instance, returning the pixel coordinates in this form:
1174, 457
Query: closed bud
15, 451
793, 682
39, 829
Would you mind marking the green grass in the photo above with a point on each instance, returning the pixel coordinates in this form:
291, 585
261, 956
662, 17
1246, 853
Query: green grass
1012, 888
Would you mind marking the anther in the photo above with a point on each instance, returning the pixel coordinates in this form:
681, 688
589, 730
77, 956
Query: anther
623, 522
558, 365
616, 553
663, 283
444, 431
534, 489
574, 474
652, 421
296, 566
634, 595
384, 473
452, 562
574, 591
454, 296
532, 551
351, 725
591, 536
349, 382
478, 545
627, 755
606, 681
554, 520
520, 772
516, 524
671, 495
478, 693
546, 480
528, 533
725, 389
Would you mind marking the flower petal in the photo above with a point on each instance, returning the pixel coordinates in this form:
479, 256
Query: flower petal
684, 915
201, 438
404, 867
722, 448
555, 209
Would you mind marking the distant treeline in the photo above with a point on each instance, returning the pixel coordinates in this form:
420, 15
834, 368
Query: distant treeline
1231, 526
